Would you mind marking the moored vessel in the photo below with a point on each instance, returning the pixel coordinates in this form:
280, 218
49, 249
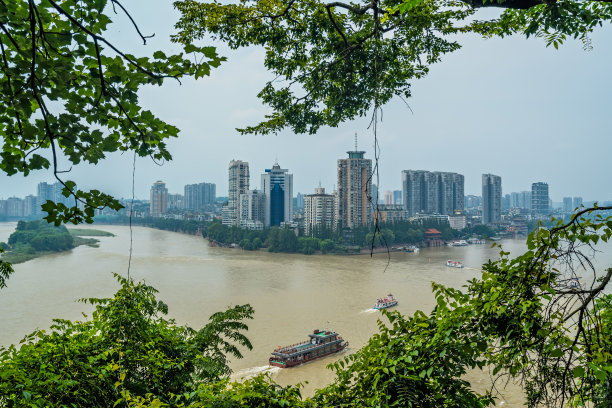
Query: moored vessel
454, 264
386, 302
321, 343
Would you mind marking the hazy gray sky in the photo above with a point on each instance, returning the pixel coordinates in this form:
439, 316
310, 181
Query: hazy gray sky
510, 107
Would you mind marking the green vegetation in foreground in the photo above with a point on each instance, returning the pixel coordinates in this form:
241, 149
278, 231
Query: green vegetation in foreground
518, 320
32, 239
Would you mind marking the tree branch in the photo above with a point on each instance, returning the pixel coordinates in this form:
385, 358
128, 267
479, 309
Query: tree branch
515, 4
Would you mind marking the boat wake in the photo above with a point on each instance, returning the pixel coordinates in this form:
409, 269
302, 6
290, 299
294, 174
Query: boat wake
254, 371
369, 311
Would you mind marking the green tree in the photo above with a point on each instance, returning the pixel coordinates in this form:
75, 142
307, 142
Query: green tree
126, 348
339, 60
66, 90
327, 245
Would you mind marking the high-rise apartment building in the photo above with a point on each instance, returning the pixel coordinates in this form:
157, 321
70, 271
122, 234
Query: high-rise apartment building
567, 205
388, 197
491, 198
520, 199
238, 172
30, 205
473, 202
174, 201
398, 197
299, 202
354, 190
44, 192
198, 196
14, 207
319, 210
277, 187
428, 192
539, 199
52, 192
577, 202
252, 213
159, 199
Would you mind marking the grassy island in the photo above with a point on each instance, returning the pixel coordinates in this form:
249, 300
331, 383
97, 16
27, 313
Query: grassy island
32, 239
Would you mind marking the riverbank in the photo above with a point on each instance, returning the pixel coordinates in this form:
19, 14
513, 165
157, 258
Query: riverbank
34, 239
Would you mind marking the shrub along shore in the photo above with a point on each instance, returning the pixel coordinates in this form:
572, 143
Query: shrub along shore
33, 239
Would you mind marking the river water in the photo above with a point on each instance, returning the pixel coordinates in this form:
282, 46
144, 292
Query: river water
292, 294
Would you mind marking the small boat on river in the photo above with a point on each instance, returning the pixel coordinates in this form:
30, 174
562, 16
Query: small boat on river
321, 343
384, 303
454, 264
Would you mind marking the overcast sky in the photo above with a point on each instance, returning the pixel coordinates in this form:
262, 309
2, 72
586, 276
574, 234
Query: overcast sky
511, 107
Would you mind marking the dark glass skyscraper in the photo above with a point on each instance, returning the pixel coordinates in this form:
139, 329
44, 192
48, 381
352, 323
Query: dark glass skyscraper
277, 186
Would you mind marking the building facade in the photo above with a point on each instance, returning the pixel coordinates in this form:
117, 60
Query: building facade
354, 190
491, 198
252, 209
426, 192
198, 196
391, 213
539, 199
397, 197
159, 199
53, 192
521, 200
567, 205
577, 202
239, 178
175, 202
388, 197
277, 187
319, 210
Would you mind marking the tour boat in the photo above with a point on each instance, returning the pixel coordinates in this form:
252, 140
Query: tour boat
454, 264
457, 243
386, 302
321, 343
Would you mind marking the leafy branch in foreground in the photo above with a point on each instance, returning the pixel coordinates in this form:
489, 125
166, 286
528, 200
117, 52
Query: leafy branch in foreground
68, 91
127, 348
6, 270
335, 60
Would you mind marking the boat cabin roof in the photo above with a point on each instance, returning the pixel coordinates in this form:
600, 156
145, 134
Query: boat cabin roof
321, 334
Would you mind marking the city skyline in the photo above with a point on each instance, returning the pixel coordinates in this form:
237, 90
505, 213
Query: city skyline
513, 195
467, 121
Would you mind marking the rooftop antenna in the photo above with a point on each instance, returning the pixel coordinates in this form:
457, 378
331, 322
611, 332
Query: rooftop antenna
319, 183
355, 141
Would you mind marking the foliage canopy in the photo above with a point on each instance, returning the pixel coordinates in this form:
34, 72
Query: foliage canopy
69, 95
336, 60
